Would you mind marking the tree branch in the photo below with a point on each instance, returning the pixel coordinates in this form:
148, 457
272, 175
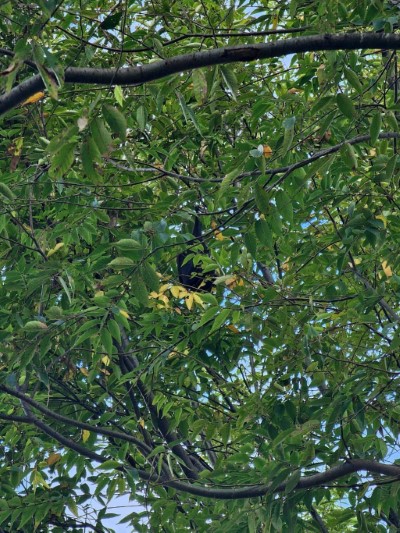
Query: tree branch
316, 516
69, 421
315, 480
217, 56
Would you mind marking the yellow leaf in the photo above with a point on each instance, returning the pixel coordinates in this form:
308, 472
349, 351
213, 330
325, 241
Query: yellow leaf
383, 218
175, 291
198, 299
189, 301
123, 313
105, 360
84, 371
38, 481
178, 292
274, 21
233, 328
267, 151
34, 98
164, 288
85, 434
53, 458
231, 282
387, 270
16, 147
357, 261
55, 249
141, 422
218, 235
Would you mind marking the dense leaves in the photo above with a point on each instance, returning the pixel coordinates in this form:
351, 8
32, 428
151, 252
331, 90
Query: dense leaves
270, 403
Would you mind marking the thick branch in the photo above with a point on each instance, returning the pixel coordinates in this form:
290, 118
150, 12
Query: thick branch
314, 513
69, 421
159, 419
218, 56
316, 480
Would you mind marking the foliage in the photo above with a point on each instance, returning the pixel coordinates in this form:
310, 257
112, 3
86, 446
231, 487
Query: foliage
268, 404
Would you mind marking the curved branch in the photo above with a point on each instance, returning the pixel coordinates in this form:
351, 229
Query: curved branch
69, 421
315, 480
217, 56
286, 170
10, 53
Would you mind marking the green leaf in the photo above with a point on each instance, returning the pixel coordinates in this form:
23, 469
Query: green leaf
101, 135
225, 434
65, 287
284, 205
106, 340
68, 136
6, 191
220, 319
141, 117
127, 245
289, 123
35, 325
349, 156
116, 120
264, 233
89, 155
262, 199
288, 137
207, 316
62, 160
199, 85
188, 112
292, 481
120, 263
119, 95
110, 464
86, 335
251, 243
353, 79
49, 79
390, 167
230, 80
150, 277
345, 106
391, 121
114, 329
375, 128
139, 289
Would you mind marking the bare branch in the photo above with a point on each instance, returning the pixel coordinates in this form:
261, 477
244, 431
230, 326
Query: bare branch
315, 480
217, 56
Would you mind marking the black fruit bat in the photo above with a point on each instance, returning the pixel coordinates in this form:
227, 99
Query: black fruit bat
191, 276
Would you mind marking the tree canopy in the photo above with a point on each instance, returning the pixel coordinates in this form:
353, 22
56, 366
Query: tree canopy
268, 398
